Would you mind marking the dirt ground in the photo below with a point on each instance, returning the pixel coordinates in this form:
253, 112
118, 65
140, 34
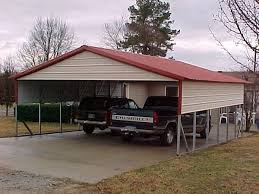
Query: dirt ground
21, 182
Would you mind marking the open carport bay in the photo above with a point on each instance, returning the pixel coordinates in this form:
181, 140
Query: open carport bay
88, 158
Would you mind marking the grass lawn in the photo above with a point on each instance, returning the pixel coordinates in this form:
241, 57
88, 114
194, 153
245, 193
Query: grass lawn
229, 168
7, 127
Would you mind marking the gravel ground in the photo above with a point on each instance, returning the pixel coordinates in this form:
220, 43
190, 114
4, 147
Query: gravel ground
18, 182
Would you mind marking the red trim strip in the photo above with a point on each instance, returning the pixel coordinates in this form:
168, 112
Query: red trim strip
180, 97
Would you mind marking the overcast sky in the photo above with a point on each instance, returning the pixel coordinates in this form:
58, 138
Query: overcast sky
195, 44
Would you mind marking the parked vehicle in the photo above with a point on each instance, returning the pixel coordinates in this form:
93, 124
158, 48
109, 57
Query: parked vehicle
95, 112
157, 118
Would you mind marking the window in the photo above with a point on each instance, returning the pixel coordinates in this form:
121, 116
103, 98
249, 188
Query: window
172, 91
132, 105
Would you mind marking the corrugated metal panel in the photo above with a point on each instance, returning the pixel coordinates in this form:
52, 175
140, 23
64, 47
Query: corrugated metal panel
90, 66
197, 96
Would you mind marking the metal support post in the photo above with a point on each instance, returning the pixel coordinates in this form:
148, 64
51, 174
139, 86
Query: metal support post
40, 118
16, 120
235, 120
242, 121
207, 128
194, 131
60, 117
185, 140
227, 130
218, 124
178, 135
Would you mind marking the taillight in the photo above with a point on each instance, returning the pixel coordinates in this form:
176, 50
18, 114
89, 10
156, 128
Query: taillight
155, 118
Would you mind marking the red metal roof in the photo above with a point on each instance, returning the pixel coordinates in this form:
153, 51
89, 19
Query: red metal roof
170, 68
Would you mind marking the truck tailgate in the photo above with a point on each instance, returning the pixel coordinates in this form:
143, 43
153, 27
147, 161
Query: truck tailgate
137, 118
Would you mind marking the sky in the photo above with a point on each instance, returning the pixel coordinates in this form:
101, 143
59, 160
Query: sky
194, 44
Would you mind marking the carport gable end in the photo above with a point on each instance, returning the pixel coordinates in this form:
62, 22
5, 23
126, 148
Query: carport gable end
92, 63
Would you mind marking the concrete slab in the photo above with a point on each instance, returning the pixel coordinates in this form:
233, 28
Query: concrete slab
86, 158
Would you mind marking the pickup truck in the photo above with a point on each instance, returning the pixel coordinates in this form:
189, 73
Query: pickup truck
95, 112
157, 118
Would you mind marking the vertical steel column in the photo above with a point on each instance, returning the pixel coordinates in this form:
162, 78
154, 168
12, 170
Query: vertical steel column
235, 120
16, 119
194, 131
207, 128
242, 121
60, 117
218, 124
227, 131
40, 118
178, 135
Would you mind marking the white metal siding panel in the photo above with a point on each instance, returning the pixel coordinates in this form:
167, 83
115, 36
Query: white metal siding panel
197, 96
138, 91
90, 66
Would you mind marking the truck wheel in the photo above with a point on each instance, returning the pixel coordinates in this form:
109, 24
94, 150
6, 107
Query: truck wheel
88, 129
167, 138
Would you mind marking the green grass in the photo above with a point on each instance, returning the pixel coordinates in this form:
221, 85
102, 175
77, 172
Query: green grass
7, 127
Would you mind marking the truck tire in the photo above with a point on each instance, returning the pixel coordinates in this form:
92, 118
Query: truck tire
88, 129
168, 137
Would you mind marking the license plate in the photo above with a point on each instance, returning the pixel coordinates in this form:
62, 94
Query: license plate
128, 128
91, 116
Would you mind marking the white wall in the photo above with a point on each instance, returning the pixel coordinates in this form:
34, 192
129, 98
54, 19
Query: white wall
159, 88
138, 91
90, 66
197, 96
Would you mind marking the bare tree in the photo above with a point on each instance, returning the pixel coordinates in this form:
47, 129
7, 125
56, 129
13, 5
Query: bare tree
48, 39
114, 33
8, 69
241, 20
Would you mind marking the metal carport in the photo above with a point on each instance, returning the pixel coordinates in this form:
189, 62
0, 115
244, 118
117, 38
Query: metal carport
91, 71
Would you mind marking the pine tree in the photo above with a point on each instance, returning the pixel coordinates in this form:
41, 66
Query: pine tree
149, 30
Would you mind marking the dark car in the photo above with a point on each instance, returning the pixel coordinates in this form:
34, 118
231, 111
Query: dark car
157, 118
95, 112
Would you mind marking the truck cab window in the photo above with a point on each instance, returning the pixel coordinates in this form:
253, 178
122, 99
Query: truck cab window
132, 105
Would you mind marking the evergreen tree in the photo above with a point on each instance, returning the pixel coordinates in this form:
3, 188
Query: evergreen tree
149, 30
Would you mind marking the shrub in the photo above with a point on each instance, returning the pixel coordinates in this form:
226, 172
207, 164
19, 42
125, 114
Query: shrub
49, 113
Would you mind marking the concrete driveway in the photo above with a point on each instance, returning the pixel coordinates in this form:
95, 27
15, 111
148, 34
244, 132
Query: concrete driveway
84, 158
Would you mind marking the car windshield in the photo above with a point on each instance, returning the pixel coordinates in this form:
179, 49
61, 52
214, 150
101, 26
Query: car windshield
94, 104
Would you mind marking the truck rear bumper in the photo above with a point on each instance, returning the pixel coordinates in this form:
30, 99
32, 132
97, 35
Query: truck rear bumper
125, 130
96, 123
